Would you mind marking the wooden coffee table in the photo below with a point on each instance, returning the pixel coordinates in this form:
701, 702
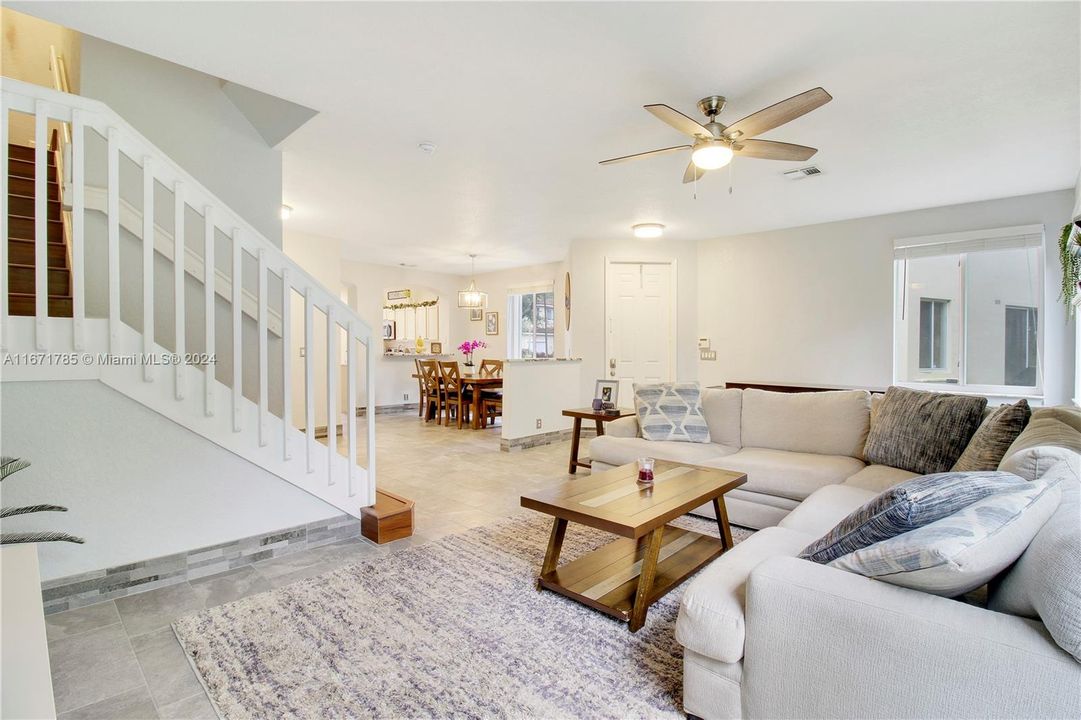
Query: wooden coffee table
625, 577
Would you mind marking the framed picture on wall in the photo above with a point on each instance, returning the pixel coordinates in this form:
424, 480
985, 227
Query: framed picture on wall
607, 392
388, 329
476, 314
491, 323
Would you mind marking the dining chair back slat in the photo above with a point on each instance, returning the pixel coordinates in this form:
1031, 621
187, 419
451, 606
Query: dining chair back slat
491, 368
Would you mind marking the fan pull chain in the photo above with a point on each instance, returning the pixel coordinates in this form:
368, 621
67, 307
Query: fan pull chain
730, 176
695, 194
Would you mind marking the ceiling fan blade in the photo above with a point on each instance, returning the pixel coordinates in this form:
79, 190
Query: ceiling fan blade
771, 150
779, 114
662, 151
692, 173
679, 121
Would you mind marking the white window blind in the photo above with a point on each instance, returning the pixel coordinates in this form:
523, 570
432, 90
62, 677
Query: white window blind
1021, 236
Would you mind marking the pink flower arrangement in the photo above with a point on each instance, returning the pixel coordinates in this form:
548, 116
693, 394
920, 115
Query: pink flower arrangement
468, 347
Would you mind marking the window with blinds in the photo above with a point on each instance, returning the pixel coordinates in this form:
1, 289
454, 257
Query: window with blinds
968, 311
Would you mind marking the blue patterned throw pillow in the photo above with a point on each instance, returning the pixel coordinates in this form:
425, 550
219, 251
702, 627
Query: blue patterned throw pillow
908, 506
671, 411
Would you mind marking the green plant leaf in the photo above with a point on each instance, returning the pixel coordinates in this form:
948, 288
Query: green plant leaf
10, 465
38, 537
1071, 269
26, 509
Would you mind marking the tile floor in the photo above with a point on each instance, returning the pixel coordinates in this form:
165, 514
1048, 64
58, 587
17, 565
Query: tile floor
120, 659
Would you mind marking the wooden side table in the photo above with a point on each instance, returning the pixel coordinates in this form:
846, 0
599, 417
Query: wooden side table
580, 414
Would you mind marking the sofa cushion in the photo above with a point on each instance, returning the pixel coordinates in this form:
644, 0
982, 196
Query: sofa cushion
825, 508
1042, 444
722, 410
711, 621
923, 432
671, 411
906, 507
827, 423
1045, 582
787, 474
879, 477
961, 552
993, 438
621, 450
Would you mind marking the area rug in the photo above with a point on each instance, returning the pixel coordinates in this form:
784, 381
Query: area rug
450, 629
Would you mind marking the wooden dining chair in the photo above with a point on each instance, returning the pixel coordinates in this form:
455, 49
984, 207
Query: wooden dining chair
422, 406
433, 392
491, 402
455, 396
491, 368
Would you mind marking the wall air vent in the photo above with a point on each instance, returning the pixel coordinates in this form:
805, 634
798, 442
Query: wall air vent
809, 171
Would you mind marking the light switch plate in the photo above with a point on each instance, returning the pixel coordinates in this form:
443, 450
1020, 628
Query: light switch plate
708, 354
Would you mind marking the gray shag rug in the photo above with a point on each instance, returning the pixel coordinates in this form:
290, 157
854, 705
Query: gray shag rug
451, 628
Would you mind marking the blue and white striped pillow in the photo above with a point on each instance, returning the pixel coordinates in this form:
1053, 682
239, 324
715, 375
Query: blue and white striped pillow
671, 411
908, 506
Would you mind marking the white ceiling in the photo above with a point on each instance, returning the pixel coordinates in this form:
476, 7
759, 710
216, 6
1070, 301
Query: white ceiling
934, 104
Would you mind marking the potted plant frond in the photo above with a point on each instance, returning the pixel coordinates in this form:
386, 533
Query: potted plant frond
9, 466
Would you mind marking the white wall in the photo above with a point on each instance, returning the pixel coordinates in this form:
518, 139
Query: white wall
186, 114
137, 485
587, 263
814, 304
539, 391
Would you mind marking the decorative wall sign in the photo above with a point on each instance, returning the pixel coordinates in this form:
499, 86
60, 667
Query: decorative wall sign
399, 294
491, 323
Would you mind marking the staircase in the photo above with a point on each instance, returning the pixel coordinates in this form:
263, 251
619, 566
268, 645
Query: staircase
21, 227
58, 268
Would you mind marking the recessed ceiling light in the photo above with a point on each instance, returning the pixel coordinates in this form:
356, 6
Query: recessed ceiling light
648, 230
287, 212
427, 147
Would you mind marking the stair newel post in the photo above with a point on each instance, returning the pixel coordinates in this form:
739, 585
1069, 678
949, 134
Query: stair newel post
78, 228
4, 112
287, 365
309, 379
351, 408
41, 224
113, 206
208, 308
179, 295
148, 268
333, 371
369, 388
264, 384
238, 315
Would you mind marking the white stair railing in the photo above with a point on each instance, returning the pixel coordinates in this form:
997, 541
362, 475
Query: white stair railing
220, 412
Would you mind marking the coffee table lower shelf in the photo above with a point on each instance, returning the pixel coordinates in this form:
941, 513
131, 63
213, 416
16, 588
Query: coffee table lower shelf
607, 578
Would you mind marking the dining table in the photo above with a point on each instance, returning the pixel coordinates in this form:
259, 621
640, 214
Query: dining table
479, 385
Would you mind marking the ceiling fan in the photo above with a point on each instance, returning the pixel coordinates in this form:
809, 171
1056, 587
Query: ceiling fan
715, 144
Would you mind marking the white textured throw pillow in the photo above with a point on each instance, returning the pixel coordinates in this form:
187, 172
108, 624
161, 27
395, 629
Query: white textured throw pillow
671, 411
961, 552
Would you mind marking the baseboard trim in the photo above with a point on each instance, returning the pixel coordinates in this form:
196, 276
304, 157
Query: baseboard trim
97, 586
531, 441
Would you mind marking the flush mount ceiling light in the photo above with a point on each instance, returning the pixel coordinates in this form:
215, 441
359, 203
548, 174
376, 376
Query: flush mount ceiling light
426, 147
648, 230
471, 297
287, 212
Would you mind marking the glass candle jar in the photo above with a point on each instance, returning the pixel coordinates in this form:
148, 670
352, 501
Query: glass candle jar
645, 470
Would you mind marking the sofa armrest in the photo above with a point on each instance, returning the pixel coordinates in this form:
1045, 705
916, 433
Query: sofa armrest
823, 642
626, 427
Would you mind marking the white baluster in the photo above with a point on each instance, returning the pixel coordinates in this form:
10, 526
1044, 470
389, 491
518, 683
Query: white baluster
41, 225
351, 407
208, 300
287, 365
179, 295
264, 385
114, 239
309, 380
238, 316
370, 389
148, 268
4, 228
78, 229
332, 390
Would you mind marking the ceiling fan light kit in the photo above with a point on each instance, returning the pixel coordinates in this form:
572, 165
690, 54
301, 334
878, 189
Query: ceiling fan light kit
648, 231
716, 144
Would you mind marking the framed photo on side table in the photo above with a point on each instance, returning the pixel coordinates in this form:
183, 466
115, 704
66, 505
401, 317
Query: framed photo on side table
607, 392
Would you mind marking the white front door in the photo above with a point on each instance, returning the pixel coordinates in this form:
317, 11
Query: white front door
641, 333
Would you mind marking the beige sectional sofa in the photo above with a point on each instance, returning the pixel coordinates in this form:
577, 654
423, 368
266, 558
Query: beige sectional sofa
766, 634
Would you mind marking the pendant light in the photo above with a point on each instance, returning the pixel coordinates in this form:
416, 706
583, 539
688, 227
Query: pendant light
472, 297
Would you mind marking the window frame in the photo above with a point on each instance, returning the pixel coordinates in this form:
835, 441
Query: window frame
968, 243
514, 320
945, 342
